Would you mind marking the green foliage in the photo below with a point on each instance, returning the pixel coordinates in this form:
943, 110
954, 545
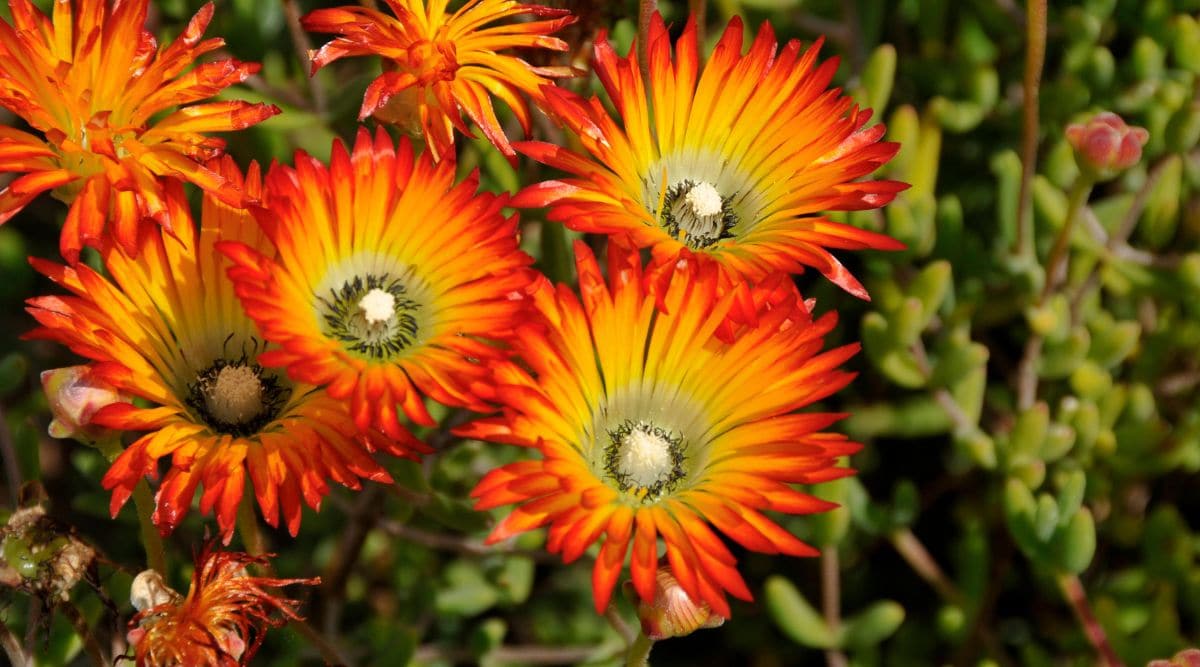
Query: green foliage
1091, 477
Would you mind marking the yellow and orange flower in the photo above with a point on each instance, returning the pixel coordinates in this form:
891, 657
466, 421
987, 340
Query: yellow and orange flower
168, 329
95, 84
222, 620
735, 160
648, 426
440, 64
391, 282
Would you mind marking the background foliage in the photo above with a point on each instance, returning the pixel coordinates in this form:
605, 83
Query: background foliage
973, 517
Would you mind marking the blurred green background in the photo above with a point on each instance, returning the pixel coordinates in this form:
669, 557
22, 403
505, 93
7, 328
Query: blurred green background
972, 517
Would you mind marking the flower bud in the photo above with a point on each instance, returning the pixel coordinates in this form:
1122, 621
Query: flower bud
1186, 658
75, 396
672, 613
1105, 145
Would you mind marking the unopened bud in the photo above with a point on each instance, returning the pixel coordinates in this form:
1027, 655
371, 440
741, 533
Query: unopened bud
75, 396
1105, 145
1186, 658
672, 612
149, 590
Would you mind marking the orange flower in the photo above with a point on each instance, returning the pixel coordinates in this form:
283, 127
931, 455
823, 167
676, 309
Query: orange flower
222, 621
440, 64
735, 161
168, 329
390, 282
94, 83
648, 426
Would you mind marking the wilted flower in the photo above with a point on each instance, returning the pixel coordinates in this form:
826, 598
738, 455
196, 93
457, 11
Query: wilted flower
672, 612
221, 621
40, 556
75, 395
1105, 145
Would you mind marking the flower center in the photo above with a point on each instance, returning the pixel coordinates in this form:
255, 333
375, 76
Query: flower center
644, 459
696, 214
371, 315
235, 397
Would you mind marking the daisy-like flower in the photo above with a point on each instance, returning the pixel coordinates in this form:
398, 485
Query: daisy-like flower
93, 81
222, 620
735, 161
391, 282
168, 329
440, 64
649, 426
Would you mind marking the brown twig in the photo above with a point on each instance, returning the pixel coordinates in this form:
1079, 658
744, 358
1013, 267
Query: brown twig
90, 643
1056, 263
1035, 58
831, 601
13, 649
303, 49
362, 517
921, 561
1076, 596
457, 544
646, 9
529, 655
8, 451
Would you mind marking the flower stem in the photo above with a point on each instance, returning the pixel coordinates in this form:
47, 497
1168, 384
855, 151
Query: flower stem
156, 554
639, 651
1035, 58
1055, 264
247, 526
1073, 591
831, 600
143, 502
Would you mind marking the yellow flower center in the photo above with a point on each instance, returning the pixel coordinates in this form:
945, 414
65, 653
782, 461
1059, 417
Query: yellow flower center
236, 396
378, 308
644, 459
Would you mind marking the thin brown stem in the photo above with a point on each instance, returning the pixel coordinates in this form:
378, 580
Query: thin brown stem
1035, 58
304, 50
699, 11
8, 451
519, 654
12, 648
628, 634
1056, 266
646, 9
921, 561
329, 653
90, 644
457, 544
1076, 596
831, 601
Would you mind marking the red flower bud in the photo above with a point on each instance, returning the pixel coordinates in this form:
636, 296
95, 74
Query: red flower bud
1105, 145
672, 612
1186, 658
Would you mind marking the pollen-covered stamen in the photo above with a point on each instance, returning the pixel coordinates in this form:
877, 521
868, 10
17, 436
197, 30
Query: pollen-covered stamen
378, 307
696, 214
644, 458
236, 397
372, 315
